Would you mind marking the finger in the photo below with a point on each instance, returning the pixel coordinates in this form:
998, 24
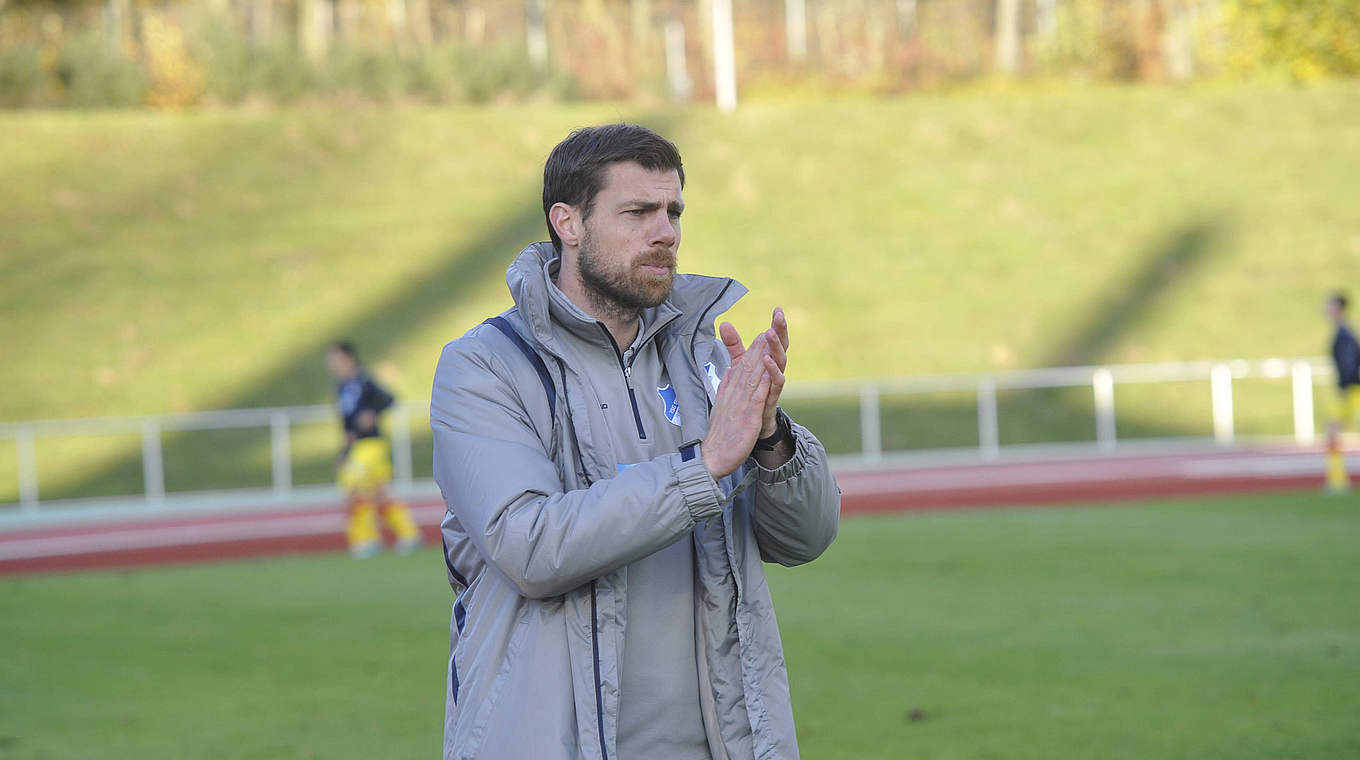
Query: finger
752, 365
759, 348
762, 390
780, 323
781, 358
776, 378
731, 339
776, 385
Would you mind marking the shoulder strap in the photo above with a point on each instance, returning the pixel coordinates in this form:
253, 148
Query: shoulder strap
503, 324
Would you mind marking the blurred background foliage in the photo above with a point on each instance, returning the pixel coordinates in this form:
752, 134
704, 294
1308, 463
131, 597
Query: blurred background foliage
101, 53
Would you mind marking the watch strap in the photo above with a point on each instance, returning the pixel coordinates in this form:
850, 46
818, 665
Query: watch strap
783, 431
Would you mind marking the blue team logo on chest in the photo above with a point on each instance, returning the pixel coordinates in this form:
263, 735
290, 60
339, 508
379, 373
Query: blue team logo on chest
669, 405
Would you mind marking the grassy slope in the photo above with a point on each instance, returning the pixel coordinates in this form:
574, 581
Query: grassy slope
157, 262
1209, 629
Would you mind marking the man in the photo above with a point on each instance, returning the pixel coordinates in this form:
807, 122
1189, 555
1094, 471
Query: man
365, 461
1346, 356
610, 500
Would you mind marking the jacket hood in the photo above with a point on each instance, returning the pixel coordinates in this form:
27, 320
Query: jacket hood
698, 298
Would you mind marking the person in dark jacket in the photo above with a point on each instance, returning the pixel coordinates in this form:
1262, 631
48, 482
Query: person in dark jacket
1346, 358
364, 466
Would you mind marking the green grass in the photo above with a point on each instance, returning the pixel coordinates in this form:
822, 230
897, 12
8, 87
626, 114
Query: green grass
1221, 628
157, 262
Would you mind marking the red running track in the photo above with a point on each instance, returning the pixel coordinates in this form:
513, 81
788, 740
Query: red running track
319, 528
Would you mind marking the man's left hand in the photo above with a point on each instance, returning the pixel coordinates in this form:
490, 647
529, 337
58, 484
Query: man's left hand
777, 344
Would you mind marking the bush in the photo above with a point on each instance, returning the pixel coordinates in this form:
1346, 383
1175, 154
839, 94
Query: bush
21, 76
86, 75
373, 74
1307, 39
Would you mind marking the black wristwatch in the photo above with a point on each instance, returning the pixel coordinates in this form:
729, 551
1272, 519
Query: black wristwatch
783, 431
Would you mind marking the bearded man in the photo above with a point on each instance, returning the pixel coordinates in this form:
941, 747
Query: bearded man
615, 474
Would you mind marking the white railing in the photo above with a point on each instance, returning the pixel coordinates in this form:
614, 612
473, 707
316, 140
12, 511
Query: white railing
1103, 382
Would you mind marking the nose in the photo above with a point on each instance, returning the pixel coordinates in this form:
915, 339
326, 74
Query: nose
662, 232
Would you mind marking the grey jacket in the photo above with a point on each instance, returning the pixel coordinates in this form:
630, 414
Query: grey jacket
541, 524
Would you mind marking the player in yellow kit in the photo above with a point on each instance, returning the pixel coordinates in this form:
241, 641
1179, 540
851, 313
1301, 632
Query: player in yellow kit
365, 463
1346, 356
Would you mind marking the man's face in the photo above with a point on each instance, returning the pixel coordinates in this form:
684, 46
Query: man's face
627, 252
340, 364
1334, 311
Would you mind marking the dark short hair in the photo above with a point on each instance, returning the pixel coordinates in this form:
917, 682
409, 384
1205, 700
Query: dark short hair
1339, 299
345, 347
574, 172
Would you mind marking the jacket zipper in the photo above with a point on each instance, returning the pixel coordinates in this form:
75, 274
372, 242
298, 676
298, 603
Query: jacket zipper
599, 695
628, 381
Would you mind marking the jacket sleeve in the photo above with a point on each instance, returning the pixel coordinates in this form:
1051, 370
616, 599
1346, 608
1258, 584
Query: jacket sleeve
797, 507
499, 482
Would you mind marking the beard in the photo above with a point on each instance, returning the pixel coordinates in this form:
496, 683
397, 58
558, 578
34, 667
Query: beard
624, 287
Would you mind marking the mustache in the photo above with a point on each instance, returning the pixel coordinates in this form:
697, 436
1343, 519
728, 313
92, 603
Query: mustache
656, 259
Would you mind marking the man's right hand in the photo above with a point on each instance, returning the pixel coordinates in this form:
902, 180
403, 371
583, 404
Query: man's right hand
738, 409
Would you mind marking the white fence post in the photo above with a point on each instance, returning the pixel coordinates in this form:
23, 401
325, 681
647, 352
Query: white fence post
1304, 432
724, 57
26, 453
870, 423
1102, 386
1220, 385
280, 453
989, 435
401, 446
153, 463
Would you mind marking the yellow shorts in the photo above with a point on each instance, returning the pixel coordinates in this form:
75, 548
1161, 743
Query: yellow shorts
1345, 405
368, 466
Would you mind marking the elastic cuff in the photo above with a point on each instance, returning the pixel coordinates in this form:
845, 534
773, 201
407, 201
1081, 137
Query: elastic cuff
702, 496
790, 469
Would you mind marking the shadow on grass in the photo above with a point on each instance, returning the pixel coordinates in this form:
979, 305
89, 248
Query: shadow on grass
1126, 301
215, 459
1042, 415
226, 459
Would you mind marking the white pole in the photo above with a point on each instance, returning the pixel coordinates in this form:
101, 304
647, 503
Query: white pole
536, 32
677, 70
989, 435
1007, 36
906, 17
401, 446
28, 469
1304, 433
1102, 384
1220, 385
280, 453
795, 29
724, 57
153, 465
1046, 18
870, 423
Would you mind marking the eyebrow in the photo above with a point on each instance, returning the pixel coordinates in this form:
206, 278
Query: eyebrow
674, 206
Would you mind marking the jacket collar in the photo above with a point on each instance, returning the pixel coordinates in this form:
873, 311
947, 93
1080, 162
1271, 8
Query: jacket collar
694, 302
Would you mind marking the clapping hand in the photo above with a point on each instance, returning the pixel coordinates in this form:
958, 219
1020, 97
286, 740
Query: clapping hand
745, 405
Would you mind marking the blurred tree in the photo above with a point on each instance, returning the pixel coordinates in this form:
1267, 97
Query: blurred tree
1306, 39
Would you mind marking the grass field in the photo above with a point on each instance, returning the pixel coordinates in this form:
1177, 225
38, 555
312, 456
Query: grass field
1225, 628
158, 262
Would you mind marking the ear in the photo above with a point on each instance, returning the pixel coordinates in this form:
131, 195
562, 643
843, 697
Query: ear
567, 221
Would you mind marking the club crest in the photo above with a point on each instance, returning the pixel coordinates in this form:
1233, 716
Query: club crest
669, 405
713, 380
